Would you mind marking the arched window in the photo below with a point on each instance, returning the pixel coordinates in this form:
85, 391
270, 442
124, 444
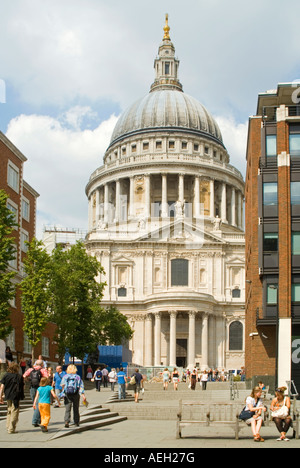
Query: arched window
179, 272
236, 336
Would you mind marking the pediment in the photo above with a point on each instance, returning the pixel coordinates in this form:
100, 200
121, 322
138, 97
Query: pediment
181, 231
122, 259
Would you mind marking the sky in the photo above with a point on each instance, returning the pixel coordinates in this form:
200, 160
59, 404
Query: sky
68, 68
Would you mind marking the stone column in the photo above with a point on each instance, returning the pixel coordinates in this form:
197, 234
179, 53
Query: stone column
233, 220
220, 342
147, 195
157, 341
131, 198
164, 196
204, 361
223, 203
173, 315
181, 188
192, 336
197, 210
148, 340
117, 207
105, 204
239, 220
212, 198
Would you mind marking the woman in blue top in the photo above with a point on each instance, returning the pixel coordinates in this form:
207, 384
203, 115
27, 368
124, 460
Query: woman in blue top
121, 376
43, 396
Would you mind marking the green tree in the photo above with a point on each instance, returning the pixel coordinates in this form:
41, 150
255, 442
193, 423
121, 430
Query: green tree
35, 292
7, 253
73, 304
110, 326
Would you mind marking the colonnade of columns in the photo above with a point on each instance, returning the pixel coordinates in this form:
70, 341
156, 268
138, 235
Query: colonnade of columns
153, 329
225, 201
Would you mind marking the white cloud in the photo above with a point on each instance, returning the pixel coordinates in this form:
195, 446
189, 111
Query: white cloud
60, 161
235, 139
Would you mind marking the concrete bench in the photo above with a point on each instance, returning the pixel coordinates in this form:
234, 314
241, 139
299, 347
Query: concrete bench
209, 414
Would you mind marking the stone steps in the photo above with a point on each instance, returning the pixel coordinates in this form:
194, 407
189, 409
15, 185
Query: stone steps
93, 417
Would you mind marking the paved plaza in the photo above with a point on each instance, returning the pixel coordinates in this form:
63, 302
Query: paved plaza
137, 433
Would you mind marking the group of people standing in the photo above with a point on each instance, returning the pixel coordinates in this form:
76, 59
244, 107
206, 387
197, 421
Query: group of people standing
119, 377
192, 377
45, 387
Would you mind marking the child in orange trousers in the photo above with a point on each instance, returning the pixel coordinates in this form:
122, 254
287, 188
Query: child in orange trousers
43, 397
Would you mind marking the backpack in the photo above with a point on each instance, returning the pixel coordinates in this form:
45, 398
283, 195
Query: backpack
72, 385
35, 377
99, 374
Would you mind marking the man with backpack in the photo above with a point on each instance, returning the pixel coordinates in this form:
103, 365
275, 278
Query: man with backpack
34, 375
12, 386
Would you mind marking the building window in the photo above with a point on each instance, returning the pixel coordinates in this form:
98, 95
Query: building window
295, 193
296, 292
196, 147
295, 243
14, 210
45, 346
272, 294
270, 242
270, 196
236, 293
295, 144
145, 145
122, 292
184, 145
24, 240
179, 272
236, 336
167, 68
26, 210
271, 145
158, 145
171, 144
13, 178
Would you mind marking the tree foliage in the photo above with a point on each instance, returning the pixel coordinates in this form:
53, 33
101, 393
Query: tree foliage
35, 291
7, 254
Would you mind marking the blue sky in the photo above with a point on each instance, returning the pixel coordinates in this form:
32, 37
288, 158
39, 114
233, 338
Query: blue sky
71, 67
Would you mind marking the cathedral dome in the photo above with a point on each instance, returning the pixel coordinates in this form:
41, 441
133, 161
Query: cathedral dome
166, 109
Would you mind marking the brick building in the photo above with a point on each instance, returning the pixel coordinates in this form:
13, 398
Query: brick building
272, 228
22, 200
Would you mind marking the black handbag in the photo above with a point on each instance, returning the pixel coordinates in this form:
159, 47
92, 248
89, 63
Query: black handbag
247, 414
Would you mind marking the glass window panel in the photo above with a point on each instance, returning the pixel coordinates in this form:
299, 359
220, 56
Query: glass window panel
295, 145
295, 292
270, 193
295, 243
236, 336
271, 241
272, 294
295, 193
271, 145
179, 272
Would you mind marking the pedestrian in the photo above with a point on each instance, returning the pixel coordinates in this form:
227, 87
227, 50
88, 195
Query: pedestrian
12, 385
22, 365
280, 412
34, 375
138, 378
204, 379
43, 397
72, 389
89, 373
121, 377
112, 378
98, 379
175, 378
252, 413
193, 379
166, 378
105, 377
8, 355
57, 382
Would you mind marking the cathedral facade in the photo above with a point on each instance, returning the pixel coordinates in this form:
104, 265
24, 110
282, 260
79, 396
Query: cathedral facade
166, 223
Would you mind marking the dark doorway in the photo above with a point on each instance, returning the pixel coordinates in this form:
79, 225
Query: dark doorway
181, 352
